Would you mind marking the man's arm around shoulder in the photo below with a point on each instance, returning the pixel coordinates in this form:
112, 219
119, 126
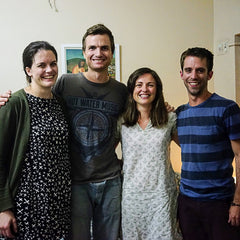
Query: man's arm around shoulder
4, 97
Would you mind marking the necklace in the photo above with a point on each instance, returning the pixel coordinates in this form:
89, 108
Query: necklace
143, 121
36, 93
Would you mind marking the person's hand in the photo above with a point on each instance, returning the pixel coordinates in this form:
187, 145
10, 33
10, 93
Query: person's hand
4, 97
169, 107
8, 224
234, 216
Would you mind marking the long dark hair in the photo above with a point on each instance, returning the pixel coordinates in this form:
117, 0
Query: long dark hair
158, 114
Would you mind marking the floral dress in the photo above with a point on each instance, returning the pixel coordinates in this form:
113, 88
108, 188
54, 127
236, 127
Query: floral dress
43, 198
149, 197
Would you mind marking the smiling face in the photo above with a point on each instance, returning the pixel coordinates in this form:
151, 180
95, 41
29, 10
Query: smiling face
98, 53
44, 70
195, 76
145, 90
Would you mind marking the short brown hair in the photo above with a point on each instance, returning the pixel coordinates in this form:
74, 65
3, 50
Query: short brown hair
200, 53
98, 29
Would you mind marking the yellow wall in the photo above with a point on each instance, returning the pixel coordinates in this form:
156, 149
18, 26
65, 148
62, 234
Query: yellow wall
151, 33
226, 25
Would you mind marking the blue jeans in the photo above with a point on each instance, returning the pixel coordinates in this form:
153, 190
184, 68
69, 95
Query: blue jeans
97, 205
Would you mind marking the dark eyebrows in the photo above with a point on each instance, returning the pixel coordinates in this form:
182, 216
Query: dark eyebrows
101, 47
187, 69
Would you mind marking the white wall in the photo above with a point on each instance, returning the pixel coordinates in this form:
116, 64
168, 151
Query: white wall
150, 32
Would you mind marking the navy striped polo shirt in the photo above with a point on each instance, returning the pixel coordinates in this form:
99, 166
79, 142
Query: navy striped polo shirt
205, 132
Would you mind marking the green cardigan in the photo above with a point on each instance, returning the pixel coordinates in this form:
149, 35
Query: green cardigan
14, 137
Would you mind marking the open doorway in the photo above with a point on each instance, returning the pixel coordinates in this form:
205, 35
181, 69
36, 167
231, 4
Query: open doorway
237, 77
237, 67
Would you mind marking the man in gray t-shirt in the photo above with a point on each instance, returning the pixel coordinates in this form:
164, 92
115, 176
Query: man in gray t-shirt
94, 102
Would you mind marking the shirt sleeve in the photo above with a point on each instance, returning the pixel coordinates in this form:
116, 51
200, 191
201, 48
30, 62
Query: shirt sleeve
231, 118
8, 130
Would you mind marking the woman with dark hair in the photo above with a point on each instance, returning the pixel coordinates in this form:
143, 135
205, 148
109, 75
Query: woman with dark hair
34, 154
149, 187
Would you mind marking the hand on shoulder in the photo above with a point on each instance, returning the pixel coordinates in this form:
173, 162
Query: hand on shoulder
4, 97
169, 107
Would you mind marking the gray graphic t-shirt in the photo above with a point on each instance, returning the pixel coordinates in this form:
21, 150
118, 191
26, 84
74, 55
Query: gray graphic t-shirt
93, 110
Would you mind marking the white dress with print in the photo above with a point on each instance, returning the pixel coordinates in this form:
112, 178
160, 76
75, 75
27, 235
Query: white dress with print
149, 188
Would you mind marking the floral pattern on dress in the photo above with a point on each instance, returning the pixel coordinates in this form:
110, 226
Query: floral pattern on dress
149, 198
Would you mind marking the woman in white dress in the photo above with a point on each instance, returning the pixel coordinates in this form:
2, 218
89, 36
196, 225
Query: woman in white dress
149, 187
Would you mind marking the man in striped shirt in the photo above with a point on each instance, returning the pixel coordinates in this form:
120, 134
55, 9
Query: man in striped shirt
209, 135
